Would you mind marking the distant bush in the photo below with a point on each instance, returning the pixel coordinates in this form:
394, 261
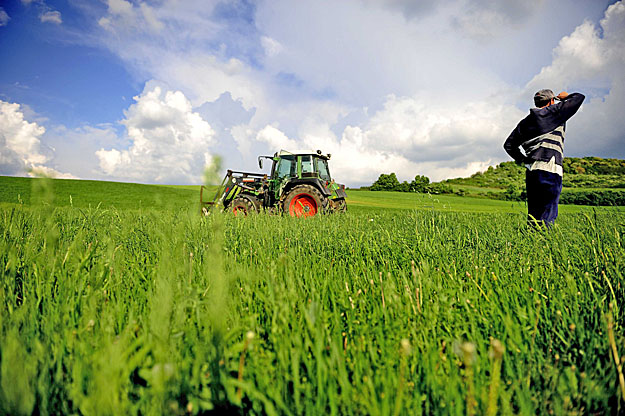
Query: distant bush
438, 188
582, 180
599, 197
514, 193
420, 184
386, 182
593, 166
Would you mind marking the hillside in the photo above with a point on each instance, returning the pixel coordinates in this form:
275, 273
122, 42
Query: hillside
85, 193
587, 181
587, 172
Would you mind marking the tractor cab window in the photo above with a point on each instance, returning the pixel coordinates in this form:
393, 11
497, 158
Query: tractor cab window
286, 167
307, 164
322, 169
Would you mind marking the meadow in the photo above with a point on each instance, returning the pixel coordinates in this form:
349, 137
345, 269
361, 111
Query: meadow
406, 304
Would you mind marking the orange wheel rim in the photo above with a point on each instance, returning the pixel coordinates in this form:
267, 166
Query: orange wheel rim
303, 205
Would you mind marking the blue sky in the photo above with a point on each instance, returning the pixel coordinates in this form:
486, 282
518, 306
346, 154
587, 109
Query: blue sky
150, 91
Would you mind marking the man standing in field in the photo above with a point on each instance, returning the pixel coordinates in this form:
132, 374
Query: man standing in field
541, 135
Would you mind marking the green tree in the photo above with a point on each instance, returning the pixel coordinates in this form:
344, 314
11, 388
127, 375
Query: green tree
386, 182
439, 188
402, 187
419, 184
513, 193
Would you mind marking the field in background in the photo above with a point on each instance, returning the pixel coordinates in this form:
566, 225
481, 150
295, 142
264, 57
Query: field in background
123, 196
110, 306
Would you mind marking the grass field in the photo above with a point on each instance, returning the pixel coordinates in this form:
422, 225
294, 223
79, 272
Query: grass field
123, 196
405, 305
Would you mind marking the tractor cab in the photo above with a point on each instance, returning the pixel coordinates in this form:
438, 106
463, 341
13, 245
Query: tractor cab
298, 164
300, 167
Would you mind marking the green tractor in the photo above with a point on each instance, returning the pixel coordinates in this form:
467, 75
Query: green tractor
300, 185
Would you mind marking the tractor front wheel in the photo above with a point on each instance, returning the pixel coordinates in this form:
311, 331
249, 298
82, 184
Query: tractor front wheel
241, 206
338, 205
304, 201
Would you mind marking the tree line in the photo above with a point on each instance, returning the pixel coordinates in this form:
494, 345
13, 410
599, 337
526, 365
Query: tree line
420, 184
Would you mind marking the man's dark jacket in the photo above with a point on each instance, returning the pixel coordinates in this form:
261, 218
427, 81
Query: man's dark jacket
541, 133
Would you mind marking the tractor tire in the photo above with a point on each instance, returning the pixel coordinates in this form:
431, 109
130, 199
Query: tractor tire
338, 205
305, 201
242, 206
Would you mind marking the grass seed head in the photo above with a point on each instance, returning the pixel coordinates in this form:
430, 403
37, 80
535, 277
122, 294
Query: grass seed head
406, 348
496, 349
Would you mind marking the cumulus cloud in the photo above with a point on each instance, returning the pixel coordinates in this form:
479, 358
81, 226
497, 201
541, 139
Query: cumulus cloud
46, 13
276, 139
21, 150
409, 136
169, 142
19, 141
589, 54
384, 85
4, 17
124, 15
183, 45
592, 59
51, 16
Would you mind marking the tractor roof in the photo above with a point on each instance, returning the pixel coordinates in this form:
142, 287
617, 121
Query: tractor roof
303, 152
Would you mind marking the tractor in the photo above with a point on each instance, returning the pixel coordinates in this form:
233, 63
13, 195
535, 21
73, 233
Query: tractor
299, 185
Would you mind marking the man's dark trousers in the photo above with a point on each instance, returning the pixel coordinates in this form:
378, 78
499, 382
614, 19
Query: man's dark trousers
543, 194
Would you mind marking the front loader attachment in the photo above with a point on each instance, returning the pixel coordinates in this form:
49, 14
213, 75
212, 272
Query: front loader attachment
233, 184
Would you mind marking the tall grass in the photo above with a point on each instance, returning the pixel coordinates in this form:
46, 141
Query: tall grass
126, 312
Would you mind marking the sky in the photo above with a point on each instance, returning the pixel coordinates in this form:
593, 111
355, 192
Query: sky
151, 91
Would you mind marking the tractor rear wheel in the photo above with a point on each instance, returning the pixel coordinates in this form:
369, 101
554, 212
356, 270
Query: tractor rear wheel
305, 201
241, 206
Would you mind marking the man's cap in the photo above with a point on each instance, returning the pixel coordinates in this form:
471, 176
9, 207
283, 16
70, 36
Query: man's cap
543, 96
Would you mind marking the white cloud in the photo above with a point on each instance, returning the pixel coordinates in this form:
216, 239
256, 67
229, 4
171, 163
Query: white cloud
384, 85
120, 7
20, 144
168, 141
590, 55
74, 149
51, 16
21, 150
124, 16
42, 170
276, 139
150, 17
4, 17
409, 136
170, 42
592, 59
271, 46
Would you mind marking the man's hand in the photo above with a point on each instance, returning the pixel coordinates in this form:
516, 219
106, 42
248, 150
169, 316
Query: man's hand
562, 95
